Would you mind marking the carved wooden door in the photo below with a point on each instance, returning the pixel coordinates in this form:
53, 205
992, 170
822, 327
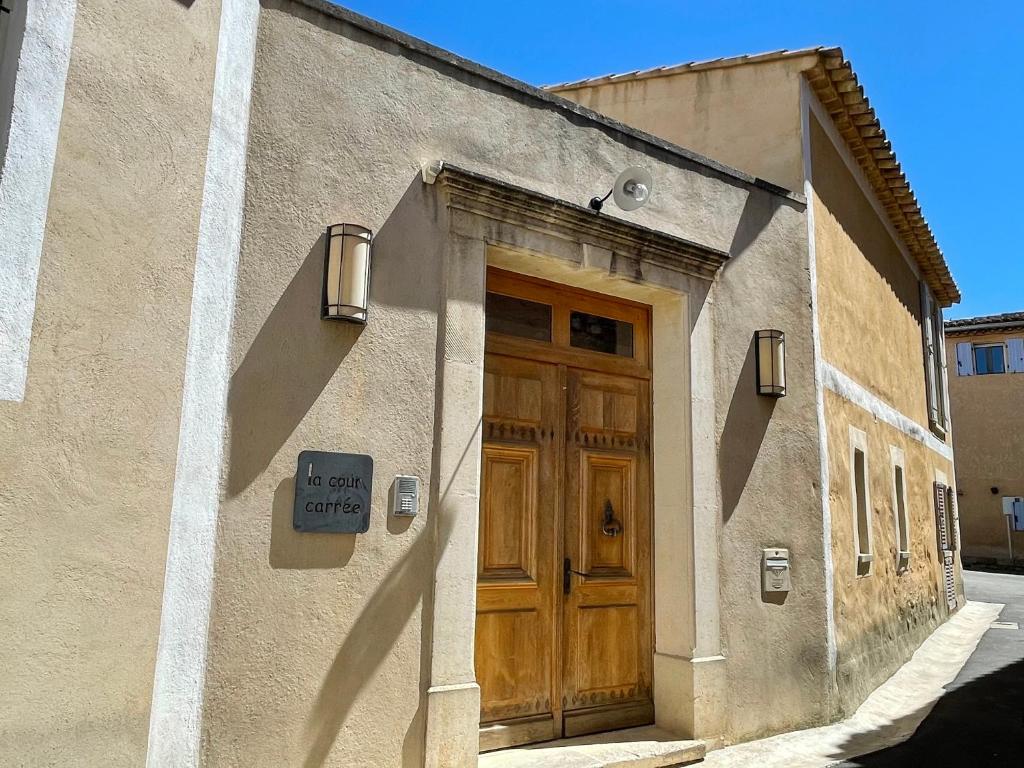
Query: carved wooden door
607, 654
517, 577
563, 632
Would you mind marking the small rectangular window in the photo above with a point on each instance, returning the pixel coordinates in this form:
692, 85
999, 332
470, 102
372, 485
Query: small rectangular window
900, 510
860, 485
601, 334
989, 358
518, 317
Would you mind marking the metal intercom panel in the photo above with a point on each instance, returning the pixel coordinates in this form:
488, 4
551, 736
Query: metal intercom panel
405, 496
775, 570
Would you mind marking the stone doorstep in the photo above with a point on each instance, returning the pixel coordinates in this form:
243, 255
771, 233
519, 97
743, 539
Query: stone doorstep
645, 747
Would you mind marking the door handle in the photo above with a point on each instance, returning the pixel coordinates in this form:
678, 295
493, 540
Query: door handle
567, 573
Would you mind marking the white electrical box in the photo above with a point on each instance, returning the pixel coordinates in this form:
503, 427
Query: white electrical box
405, 496
1013, 508
775, 570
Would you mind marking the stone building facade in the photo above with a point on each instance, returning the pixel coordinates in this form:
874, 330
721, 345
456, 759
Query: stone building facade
576, 393
985, 357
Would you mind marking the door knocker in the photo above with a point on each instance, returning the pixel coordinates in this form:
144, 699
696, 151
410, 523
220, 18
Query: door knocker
610, 526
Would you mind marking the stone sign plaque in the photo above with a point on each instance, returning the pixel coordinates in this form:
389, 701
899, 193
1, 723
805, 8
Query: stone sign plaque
332, 492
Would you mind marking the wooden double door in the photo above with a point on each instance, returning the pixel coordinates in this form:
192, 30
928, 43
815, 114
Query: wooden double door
563, 630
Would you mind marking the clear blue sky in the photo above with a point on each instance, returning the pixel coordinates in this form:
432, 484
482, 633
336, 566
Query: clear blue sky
942, 76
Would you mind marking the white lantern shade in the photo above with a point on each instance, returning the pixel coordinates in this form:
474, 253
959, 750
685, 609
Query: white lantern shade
770, 346
347, 273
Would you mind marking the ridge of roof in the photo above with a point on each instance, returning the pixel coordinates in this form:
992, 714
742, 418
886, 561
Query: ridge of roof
721, 62
840, 92
968, 322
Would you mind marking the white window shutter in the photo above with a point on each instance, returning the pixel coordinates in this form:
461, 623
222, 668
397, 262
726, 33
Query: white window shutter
1016, 350
965, 359
952, 519
941, 534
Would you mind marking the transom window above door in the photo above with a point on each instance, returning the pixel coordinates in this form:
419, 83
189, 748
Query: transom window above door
542, 314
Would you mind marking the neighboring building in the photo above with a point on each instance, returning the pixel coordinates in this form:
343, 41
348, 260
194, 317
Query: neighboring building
607, 504
986, 395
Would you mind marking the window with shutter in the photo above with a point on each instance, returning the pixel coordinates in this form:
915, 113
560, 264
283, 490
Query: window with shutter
952, 519
936, 384
941, 532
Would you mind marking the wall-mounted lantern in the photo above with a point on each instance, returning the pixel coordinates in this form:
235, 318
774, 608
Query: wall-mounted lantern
346, 273
770, 350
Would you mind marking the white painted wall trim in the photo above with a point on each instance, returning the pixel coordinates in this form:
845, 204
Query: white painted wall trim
819, 394
825, 120
176, 713
27, 172
838, 382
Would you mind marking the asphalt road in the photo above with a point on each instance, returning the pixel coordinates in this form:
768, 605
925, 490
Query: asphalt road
979, 722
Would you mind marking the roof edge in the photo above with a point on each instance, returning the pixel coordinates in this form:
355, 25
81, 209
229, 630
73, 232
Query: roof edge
723, 62
837, 87
546, 98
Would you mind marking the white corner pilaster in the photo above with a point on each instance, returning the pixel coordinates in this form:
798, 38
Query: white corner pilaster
175, 724
38, 76
453, 698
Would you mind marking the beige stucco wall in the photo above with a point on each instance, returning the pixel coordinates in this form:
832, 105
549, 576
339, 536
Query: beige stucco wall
988, 436
869, 304
869, 319
87, 460
881, 618
768, 481
746, 116
319, 644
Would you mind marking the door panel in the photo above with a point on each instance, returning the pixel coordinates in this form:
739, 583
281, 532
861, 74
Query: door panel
516, 575
565, 479
606, 611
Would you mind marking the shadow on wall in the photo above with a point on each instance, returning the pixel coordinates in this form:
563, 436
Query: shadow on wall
373, 635
292, 359
743, 433
757, 214
296, 353
978, 723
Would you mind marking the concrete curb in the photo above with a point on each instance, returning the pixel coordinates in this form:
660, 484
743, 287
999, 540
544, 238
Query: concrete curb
888, 716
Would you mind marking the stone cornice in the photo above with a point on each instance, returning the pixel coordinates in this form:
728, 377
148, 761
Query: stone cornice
494, 199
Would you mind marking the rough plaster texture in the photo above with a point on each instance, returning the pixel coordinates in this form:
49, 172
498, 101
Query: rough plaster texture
34, 71
868, 296
712, 110
181, 654
881, 618
88, 458
319, 644
768, 452
873, 373
988, 436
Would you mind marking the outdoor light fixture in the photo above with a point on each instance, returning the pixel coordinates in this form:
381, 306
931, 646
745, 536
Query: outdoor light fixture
346, 273
631, 190
770, 351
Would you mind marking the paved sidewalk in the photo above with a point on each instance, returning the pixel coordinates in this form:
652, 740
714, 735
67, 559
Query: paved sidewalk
889, 716
979, 722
